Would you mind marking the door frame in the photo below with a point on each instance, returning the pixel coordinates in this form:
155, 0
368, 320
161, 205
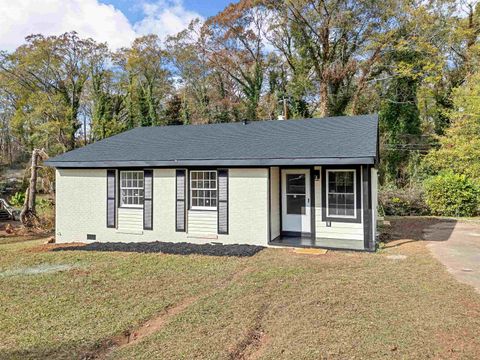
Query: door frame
312, 232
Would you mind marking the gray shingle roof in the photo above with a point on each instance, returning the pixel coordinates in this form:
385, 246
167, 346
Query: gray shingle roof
342, 140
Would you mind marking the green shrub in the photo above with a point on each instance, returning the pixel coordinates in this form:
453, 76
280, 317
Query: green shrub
449, 194
402, 201
17, 199
44, 203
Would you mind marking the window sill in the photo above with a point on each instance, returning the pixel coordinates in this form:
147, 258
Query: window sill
202, 209
202, 236
128, 231
131, 207
357, 220
352, 217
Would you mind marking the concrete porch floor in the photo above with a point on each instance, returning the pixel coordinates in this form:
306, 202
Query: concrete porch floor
306, 242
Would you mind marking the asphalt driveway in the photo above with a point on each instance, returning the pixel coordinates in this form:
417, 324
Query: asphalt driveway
457, 246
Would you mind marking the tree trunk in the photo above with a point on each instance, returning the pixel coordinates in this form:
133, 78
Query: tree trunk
323, 108
28, 216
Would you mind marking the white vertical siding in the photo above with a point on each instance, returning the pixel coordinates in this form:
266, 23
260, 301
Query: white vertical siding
337, 230
202, 223
130, 220
275, 211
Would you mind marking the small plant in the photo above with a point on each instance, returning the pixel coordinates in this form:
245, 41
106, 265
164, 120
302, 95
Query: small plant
44, 204
395, 201
450, 194
17, 199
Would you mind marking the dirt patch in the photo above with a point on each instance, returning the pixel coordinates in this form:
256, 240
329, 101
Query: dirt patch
132, 337
4, 240
14, 230
129, 338
50, 247
157, 323
397, 257
453, 345
251, 345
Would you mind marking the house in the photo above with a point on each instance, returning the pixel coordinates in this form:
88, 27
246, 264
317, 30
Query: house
310, 182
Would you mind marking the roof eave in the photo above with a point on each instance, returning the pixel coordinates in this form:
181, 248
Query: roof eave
368, 160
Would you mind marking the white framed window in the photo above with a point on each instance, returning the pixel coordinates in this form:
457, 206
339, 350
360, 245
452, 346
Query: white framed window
341, 193
203, 189
131, 189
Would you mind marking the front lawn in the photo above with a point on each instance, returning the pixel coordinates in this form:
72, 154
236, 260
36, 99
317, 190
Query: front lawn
274, 305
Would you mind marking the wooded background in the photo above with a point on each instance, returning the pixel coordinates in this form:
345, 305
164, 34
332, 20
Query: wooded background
415, 63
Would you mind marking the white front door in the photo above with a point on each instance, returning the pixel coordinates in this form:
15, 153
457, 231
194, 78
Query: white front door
296, 200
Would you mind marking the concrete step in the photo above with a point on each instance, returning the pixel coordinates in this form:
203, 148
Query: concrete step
4, 215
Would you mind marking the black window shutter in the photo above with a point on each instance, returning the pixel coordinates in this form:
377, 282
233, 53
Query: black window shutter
180, 199
148, 200
222, 207
111, 193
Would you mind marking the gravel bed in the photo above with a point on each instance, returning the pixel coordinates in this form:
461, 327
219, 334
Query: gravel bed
182, 248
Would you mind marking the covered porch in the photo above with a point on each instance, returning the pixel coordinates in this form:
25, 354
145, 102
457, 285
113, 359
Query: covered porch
322, 206
311, 242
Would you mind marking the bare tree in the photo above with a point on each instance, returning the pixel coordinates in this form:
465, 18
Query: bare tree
28, 216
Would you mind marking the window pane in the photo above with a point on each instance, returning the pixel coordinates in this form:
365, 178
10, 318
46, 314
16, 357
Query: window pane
131, 188
349, 188
296, 204
202, 191
332, 204
349, 200
341, 198
295, 183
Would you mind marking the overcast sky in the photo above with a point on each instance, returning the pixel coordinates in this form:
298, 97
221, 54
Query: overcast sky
117, 22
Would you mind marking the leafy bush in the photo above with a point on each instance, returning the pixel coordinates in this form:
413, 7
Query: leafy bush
17, 199
44, 203
402, 201
450, 194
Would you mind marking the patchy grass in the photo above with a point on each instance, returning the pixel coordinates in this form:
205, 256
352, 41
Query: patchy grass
274, 305
67, 313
